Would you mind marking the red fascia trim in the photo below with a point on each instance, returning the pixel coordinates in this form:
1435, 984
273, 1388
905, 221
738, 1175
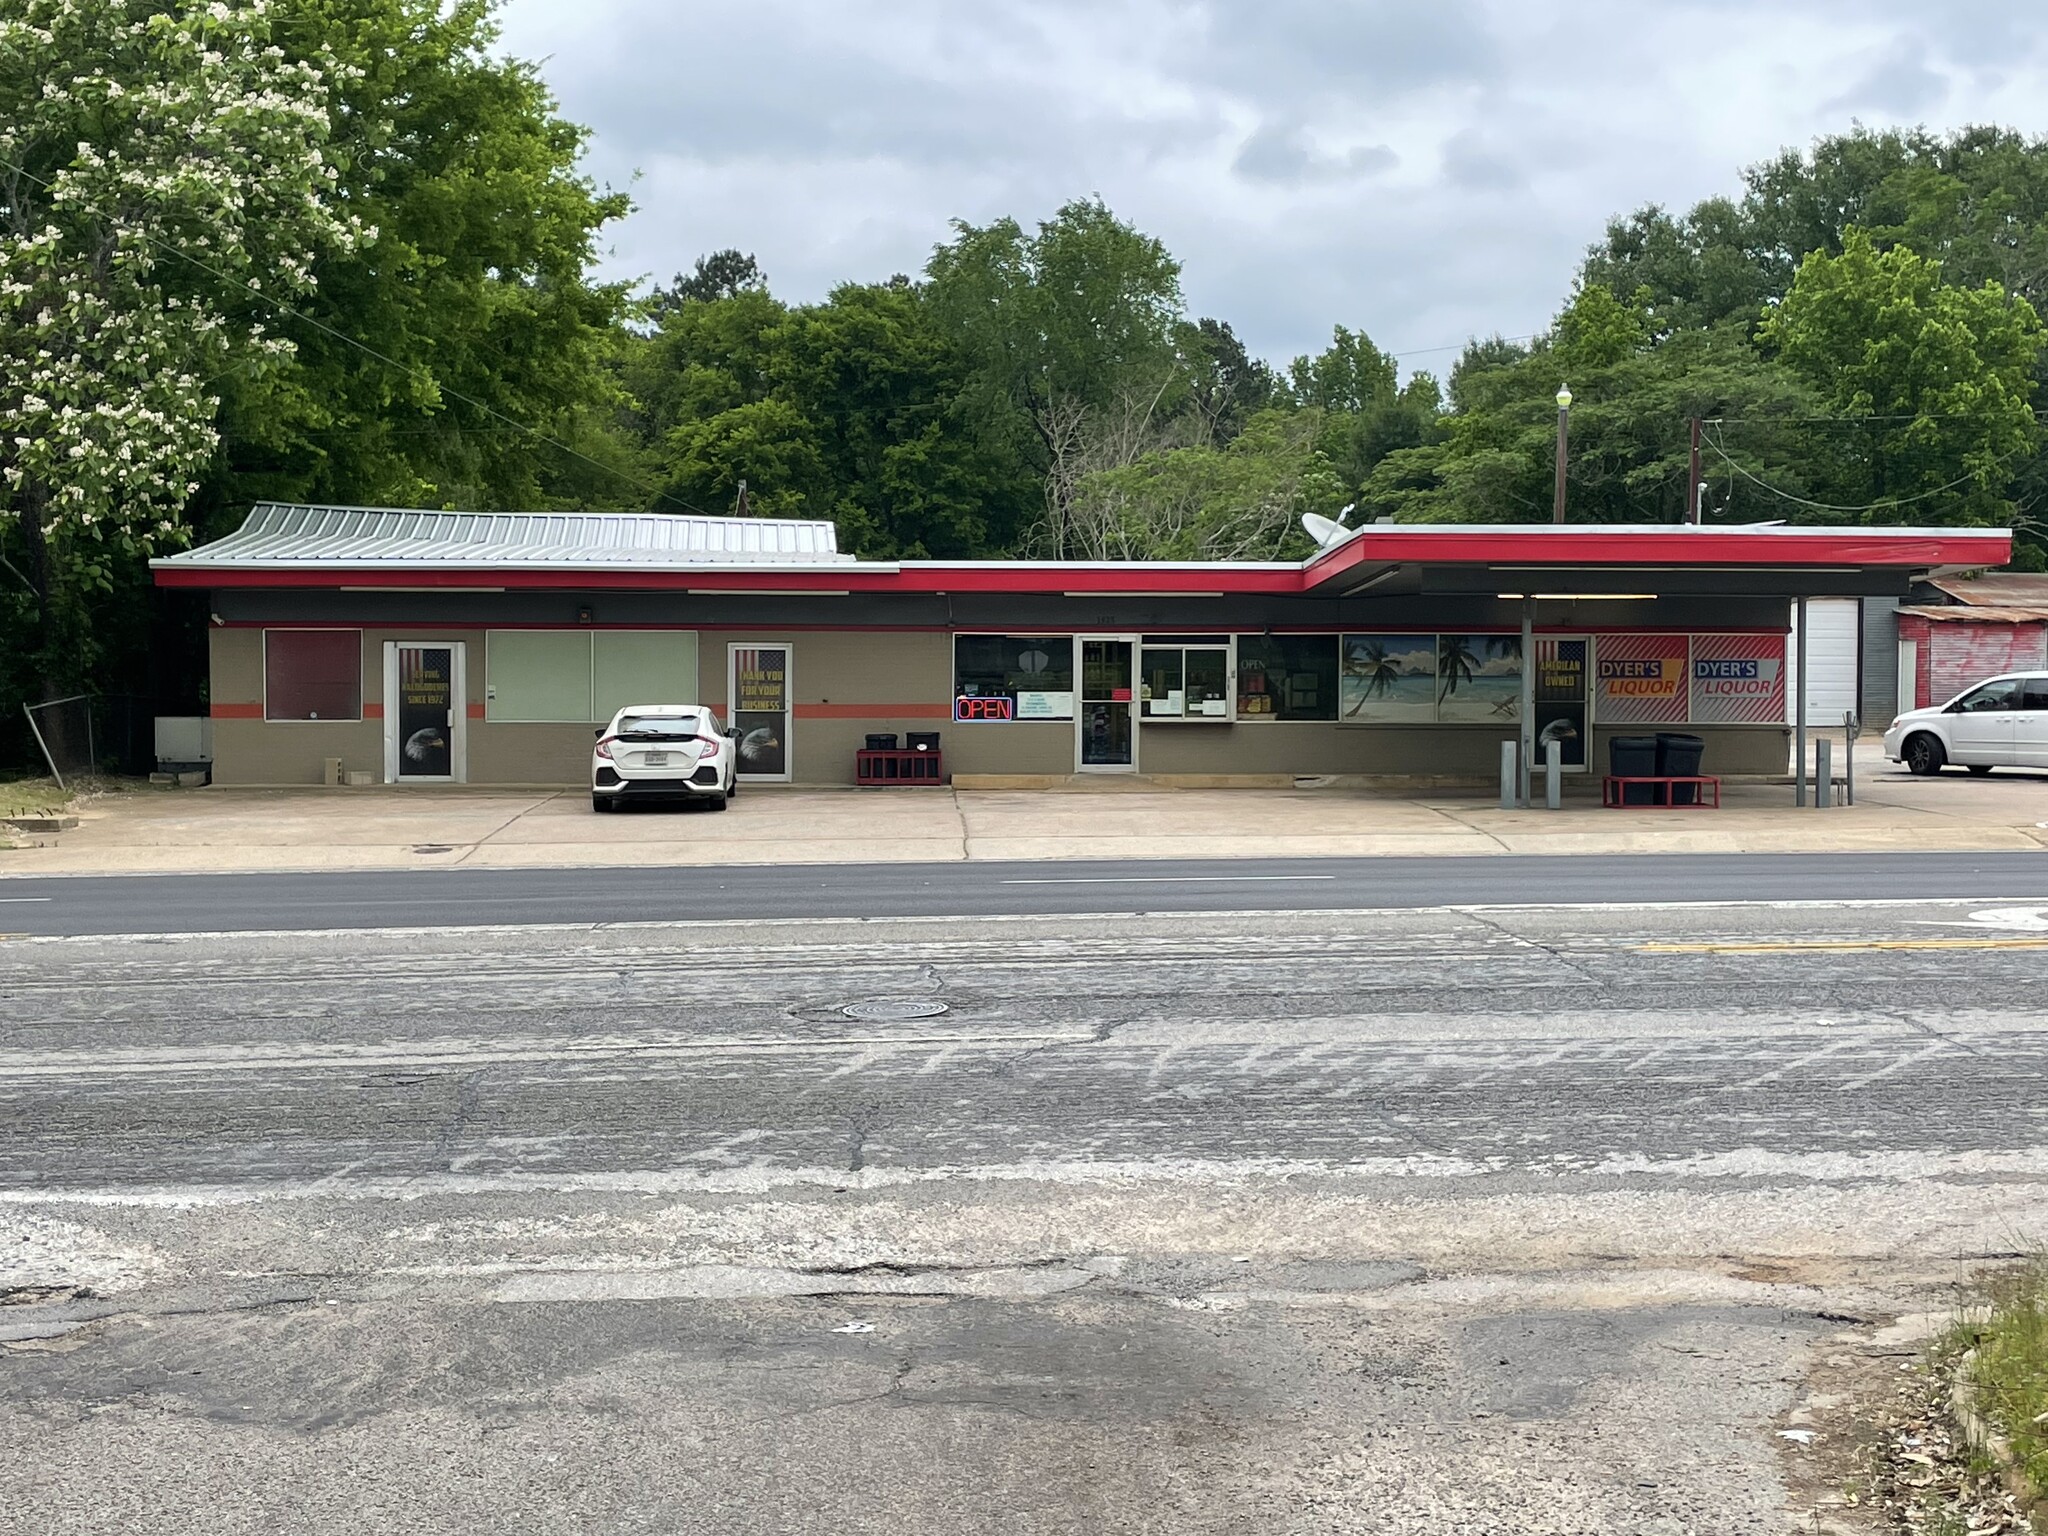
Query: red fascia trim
928, 581
1492, 547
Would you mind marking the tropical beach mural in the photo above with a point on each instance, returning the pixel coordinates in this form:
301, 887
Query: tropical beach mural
1479, 678
1387, 679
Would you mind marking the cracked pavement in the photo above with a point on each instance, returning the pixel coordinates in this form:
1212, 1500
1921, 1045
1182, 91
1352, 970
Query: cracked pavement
1529, 1221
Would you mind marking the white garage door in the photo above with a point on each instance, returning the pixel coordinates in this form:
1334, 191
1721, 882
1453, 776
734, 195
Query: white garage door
1834, 633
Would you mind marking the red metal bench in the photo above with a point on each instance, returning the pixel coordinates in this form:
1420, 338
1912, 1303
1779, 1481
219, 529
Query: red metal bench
1613, 791
898, 769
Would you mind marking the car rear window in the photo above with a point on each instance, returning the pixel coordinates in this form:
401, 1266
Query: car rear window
662, 726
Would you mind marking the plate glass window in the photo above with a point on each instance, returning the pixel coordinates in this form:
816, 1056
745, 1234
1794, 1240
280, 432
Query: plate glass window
1185, 682
1287, 677
1013, 677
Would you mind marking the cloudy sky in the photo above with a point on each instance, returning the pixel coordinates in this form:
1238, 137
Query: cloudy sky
1422, 169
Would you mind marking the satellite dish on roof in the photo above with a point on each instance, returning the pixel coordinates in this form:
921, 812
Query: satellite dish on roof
1328, 532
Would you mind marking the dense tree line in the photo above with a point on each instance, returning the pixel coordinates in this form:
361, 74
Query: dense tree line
372, 282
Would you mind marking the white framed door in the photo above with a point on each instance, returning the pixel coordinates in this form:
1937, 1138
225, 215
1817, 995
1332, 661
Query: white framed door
1105, 704
757, 691
426, 712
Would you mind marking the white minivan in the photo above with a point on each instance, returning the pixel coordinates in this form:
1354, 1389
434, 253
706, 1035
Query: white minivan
2000, 723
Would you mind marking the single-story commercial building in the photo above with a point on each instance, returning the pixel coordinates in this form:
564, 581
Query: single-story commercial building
450, 647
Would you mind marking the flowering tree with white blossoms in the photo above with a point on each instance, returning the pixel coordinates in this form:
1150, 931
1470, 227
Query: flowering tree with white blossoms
162, 170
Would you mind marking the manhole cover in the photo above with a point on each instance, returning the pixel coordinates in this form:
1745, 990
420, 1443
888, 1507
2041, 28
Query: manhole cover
885, 1011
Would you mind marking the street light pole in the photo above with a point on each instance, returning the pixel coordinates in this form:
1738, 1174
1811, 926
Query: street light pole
1564, 411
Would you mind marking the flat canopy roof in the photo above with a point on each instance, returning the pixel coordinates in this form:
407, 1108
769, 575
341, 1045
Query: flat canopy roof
358, 548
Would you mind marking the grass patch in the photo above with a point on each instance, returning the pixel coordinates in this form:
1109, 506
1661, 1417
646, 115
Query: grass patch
32, 797
2010, 1368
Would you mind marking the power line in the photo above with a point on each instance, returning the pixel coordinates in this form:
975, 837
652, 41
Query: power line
391, 362
1823, 506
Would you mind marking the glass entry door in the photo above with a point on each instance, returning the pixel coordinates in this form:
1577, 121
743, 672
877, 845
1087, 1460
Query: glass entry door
424, 712
1108, 737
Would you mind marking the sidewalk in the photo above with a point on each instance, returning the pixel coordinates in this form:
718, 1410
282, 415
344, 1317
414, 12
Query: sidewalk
226, 829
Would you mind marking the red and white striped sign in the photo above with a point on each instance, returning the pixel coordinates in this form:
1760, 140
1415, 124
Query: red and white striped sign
1640, 679
1738, 679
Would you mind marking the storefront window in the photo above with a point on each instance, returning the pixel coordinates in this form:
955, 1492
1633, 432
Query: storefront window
1287, 677
312, 674
1186, 681
1013, 677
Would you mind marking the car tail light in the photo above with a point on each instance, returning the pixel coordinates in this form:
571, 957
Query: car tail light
604, 747
706, 741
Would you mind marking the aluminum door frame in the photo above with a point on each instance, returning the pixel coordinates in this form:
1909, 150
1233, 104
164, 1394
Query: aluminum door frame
458, 711
1081, 705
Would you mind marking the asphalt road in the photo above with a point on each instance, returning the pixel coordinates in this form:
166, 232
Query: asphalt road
1399, 1221
88, 904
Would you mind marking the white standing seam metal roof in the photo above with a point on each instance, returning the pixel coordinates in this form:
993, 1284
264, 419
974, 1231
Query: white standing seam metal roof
281, 536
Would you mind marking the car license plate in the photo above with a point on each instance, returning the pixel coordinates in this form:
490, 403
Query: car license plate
655, 759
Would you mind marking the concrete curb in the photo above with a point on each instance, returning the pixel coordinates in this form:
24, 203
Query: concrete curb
1984, 1438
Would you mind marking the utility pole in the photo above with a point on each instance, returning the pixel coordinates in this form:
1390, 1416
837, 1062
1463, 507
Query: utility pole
1564, 411
741, 507
1694, 486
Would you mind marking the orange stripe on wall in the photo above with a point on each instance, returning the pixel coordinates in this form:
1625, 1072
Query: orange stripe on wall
373, 711
236, 711
476, 711
874, 711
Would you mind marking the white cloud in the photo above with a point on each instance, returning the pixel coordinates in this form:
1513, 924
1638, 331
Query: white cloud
1424, 171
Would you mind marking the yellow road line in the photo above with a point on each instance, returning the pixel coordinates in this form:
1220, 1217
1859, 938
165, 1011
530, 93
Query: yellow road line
1836, 946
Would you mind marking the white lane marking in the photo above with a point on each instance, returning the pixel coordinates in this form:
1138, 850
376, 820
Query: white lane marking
2033, 919
1165, 879
1932, 1048
17, 900
926, 919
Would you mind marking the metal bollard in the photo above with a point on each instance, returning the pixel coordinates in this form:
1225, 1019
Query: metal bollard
1509, 787
1553, 775
1823, 773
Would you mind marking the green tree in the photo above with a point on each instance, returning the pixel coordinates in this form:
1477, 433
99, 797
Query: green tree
849, 411
1075, 321
1242, 501
487, 342
1937, 377
160, 166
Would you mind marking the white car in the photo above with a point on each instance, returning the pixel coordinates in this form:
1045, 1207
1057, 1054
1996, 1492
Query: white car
2000, 723
663, 751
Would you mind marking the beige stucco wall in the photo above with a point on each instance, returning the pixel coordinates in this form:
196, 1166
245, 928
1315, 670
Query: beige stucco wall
846, 684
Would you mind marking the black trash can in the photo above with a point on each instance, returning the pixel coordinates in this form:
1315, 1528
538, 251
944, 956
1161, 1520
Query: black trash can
921, 741
882, 741
1679, 755
1633, 757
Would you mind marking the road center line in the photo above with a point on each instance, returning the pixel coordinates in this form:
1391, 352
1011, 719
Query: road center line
1165, 879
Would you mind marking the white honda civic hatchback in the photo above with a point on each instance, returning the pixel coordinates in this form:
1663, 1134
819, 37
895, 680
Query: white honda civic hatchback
663, 751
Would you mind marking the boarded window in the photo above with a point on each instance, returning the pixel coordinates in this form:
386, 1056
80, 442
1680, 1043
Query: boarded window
312, 674
643, 666
537, 674
585, 676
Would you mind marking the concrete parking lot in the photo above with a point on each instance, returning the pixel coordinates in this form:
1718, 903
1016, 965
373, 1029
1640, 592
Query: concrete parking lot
385, 828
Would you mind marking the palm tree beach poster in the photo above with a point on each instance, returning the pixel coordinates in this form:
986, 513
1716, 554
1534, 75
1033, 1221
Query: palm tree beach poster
1388, 679
1479, 678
